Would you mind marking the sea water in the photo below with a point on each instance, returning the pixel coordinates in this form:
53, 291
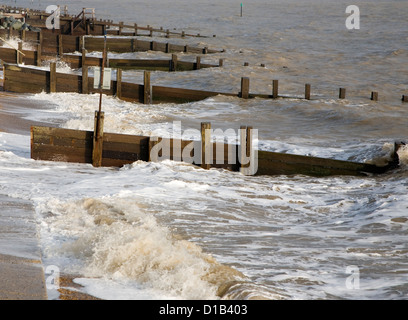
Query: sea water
170, 230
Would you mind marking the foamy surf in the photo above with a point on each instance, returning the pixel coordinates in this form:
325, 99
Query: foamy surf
114, 241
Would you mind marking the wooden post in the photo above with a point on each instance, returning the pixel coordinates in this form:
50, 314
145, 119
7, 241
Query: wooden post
98, 139
53, 77
60, 46
81, 43
39, 55
134, 45
154, 46
83, 60
120, 28
249, 141
4, 78
87, 27
206, 145
245, 146
198, 63
119, 83
183, 34
205, 50
135, 26
173, 62
307, 91
19, 55
342, 93
167, 50
167, 33
186, 48
275, 89
147, 88
374, 96
151, 32
244, 88
247, 158
39, 48
405, 98
246, 64
221, 62
85, 80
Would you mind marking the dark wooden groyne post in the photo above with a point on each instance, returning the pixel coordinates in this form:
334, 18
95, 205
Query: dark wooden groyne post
244, 88
198, 63
206, 145
120, 28
342, 93
404, 98
85, 89
53, 77
39, 48
83, 58
60, 46
173, 62
20, 53
119, 83
98, 139
374, 96
147, 88
307, 91
275, 89
245, 148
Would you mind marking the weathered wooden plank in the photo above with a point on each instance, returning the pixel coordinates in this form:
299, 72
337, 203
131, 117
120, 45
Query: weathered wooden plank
61, 153
68, 83
8, 55
169, 94
132, 92
17, 86
57, 144
271, 163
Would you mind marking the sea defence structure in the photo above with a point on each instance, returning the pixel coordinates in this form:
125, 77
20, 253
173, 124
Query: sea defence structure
81, 34
57, 144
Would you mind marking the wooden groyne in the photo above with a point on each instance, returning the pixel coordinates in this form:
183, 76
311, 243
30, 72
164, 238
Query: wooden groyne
56, 144
86, 23
23, 79
51, 44
75, 61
